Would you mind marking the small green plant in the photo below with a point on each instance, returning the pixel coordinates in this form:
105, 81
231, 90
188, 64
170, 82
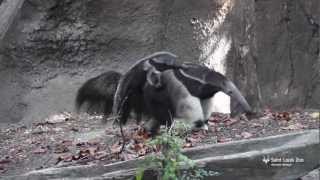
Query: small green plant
180, 129
170, 163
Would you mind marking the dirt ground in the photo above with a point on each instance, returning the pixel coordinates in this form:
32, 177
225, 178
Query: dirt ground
66, 139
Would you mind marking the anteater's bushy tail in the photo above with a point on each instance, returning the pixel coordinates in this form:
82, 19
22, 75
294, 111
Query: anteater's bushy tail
98, 91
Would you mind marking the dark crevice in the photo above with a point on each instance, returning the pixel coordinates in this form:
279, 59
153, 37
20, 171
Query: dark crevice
289, 45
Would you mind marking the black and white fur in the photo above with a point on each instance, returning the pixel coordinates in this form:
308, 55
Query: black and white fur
184, 94
178, 91
167, 99
129, 93
204, 83
96, 96
98, 93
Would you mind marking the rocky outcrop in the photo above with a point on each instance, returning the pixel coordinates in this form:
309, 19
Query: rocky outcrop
288, 57
8, 10
270, 48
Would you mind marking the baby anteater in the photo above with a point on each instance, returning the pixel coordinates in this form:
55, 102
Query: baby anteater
97, 93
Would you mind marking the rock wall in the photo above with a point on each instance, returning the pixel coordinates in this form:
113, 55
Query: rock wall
269, 47
288, 63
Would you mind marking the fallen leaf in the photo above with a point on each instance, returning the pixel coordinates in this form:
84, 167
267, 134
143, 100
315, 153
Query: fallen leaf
264, 118
246, 135
93, 142
65, 158
214, 120
101, 155
127, 156
66, 142
76, 157
218, 129
296, 126
142, 133
16, 150
281, 116
40, 150
57, 129
84, 152
267, 112
61, 148
41, 130
192, 140
115, 148
109, 131
41, 124
2, 169
222, 140
243, 117
142, 152
199, 134
137, 146
238, 136
219, 117
231, 121
255, 125
187, 145
212, 123
315, 115
4, 161
93, 150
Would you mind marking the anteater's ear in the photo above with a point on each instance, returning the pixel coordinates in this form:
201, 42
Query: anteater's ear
154, 78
